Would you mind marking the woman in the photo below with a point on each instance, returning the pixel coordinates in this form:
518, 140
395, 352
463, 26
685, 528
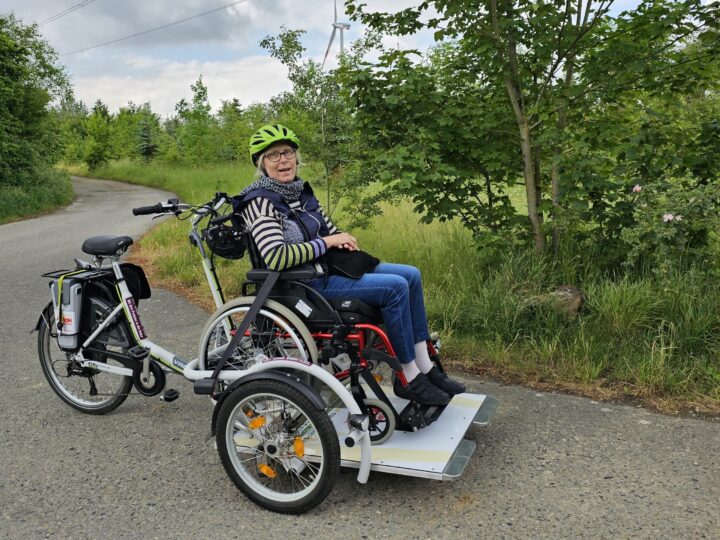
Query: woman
289, 228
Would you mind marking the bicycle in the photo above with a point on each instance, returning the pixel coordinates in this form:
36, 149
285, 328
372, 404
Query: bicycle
276, 435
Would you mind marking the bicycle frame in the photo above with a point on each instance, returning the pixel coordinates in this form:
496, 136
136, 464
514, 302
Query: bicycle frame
128, 309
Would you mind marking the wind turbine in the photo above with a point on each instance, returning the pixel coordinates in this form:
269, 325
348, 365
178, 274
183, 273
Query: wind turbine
336, 26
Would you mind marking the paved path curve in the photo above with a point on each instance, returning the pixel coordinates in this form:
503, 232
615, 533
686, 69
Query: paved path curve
548, 466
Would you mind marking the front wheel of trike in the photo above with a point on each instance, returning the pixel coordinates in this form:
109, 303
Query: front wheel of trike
278, 448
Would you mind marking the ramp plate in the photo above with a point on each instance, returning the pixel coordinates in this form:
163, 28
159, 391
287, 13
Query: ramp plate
438, 452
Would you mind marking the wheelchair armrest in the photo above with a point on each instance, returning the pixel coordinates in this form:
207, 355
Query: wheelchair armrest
294, 274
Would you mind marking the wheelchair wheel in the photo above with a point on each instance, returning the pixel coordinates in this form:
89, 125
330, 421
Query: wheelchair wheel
279, 450
382, 420
269, 336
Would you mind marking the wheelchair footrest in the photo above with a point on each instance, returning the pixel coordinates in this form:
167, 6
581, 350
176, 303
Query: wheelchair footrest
416, 416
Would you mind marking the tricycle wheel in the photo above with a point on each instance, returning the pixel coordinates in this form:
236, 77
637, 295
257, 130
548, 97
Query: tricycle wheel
278, 448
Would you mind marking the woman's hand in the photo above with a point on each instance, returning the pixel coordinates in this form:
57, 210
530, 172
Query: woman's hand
342, 241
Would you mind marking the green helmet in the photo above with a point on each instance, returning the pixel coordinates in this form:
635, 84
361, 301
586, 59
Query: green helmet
268, 135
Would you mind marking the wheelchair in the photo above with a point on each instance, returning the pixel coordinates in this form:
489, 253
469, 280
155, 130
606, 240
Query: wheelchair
293, 373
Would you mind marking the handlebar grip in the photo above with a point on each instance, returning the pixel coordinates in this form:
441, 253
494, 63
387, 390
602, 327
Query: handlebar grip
145, 210
220, 219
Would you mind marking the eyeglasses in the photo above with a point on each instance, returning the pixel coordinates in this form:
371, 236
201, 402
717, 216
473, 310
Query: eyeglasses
275, 156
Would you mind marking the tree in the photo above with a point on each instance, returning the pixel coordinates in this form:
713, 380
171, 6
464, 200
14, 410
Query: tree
30, 78
98, 142
71, 116
545, 66
195, 133
147, 133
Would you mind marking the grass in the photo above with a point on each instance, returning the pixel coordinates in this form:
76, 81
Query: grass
47, 190
636, 336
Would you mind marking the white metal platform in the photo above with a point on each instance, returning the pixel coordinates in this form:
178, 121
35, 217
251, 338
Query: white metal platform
438, 452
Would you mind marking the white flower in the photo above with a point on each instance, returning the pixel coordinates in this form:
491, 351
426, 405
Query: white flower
637, 188
678, 217
667, 217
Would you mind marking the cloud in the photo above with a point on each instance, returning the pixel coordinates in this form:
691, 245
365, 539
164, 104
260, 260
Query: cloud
223, 46
250, 79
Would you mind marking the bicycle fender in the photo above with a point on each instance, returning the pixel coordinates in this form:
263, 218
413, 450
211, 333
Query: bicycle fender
281, 376
44, 315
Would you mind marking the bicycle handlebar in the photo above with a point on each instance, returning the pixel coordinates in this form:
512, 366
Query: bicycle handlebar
173, 206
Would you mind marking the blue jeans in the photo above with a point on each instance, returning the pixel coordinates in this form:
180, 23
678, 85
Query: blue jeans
396, 289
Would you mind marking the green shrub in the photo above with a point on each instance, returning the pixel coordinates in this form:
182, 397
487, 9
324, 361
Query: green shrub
47, 190
674, 219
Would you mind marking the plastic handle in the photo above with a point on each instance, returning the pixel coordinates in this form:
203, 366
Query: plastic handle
145, 210
353, 437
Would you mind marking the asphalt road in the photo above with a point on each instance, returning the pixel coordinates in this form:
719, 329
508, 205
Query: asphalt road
547, 466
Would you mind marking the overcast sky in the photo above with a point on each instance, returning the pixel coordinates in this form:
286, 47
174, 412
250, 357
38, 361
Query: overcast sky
222, 47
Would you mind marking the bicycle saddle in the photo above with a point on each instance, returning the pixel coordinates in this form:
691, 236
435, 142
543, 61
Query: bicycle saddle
106, 245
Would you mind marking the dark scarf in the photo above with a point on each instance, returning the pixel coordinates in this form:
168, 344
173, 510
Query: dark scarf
289, 191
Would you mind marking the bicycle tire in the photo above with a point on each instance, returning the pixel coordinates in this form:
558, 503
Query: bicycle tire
59, 371
277, 476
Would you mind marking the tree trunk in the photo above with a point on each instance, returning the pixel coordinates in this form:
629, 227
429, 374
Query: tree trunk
531, 188
512, 83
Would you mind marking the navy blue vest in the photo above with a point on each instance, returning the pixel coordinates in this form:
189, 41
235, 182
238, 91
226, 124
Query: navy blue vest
311, 221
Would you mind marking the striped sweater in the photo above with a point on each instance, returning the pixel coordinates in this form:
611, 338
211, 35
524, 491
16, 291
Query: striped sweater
280, 240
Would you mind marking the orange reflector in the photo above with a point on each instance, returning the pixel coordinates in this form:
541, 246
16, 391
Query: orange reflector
267, 470
257, 422
249, 413
299, 445
378, 377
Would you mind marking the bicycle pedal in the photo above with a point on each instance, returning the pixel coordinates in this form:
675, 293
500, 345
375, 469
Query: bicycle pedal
138, 353
170, 395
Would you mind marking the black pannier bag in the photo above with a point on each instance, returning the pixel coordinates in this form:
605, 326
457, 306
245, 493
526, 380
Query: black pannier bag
136, 281
75, 292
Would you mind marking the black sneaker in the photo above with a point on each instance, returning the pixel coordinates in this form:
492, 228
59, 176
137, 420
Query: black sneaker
421, 390
445, 383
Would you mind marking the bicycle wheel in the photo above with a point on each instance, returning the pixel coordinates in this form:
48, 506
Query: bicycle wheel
269, 336
85, 389
277, 447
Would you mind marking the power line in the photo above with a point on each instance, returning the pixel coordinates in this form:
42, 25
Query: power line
65, 12
154, 29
